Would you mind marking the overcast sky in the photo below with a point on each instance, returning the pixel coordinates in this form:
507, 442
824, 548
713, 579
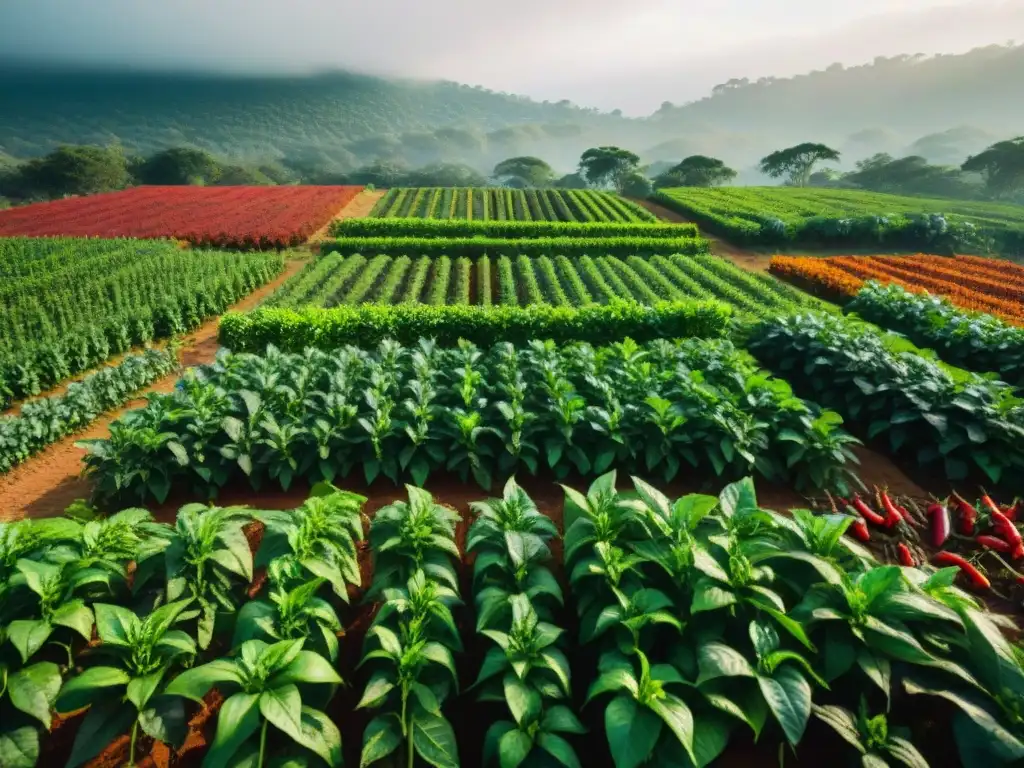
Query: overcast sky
604, 53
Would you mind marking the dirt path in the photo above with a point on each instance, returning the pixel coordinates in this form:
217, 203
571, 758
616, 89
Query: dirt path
742, 257
358, 207
48, 482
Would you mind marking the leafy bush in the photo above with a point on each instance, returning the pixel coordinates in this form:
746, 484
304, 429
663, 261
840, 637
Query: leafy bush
971, 340
456, 228
410, 411
961, 426
42, 422
537, 246
295, 330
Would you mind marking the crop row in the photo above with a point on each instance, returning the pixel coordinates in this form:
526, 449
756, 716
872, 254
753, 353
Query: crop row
454, 228
971, 340
528, 281
634, 245
294, 330
964, 426
44, 421
70, 304
223, 217
411, 411
836, 217
504, 204
701, 622
973, 283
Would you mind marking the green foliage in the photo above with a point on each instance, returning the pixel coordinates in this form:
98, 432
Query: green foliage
797, 162
1002, 165
540, 246
126, 692
73, 170
408, 412
294, 330
607, 166
497, 229
912, 175
696, 171
103, 297
842, 217
504, 204
42, 422
524, 172
265, 685
972, 340
966, 427
180, 165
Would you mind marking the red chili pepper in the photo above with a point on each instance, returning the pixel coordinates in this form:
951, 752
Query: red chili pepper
860, 530
986, 500
994, 542
978, 579
1013, 510
892, 515
905, 557
867, 512
968, 515
1009, 531
940, 523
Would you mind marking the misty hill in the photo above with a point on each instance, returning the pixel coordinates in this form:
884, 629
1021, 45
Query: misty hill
943, 108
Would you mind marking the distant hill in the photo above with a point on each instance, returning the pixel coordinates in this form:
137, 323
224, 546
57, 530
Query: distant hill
942, 107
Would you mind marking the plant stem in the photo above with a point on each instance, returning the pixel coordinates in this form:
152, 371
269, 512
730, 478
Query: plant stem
131, 749
411, 753
263, 743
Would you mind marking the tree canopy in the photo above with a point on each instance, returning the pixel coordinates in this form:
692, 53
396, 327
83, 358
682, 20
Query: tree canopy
797, 163
528, 171
603, 166
1002, 165
180, 165
74, 170
696, 171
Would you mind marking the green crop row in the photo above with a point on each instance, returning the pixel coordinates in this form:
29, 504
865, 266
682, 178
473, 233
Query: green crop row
293, 330
500, 204
478, 246
971, 340
412, 411
496, 228
560, 281
69, 304
701, 623
836, 218
965, 426
42, 422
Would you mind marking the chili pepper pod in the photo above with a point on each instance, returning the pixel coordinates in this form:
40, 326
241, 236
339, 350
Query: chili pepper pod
967, 515
867, 512
994, 543
904, 555
859, 530
892, 515
976, 577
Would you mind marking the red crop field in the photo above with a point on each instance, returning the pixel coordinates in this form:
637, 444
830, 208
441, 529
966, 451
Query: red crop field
224, 217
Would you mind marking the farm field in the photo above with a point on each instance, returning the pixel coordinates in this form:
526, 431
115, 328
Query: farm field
577, 570
70, 304
524, 281
226, 217
837, 217
973, 283
500, 204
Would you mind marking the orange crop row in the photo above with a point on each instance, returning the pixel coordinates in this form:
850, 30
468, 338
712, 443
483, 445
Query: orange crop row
843, 276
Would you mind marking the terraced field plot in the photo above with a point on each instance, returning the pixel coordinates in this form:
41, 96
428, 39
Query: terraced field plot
501, 204
986, 285
528, 280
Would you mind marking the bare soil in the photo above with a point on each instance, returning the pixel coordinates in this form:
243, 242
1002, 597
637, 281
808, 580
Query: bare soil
48, 482
358, 207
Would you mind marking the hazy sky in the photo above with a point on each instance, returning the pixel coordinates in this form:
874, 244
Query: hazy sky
604, 53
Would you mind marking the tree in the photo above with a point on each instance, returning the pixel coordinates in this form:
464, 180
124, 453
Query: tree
696, 171
75, 170
911, 175
530, 171
635, 184
1001, 165
180, 165
446, 175
797, 162
602, 166
571, 181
